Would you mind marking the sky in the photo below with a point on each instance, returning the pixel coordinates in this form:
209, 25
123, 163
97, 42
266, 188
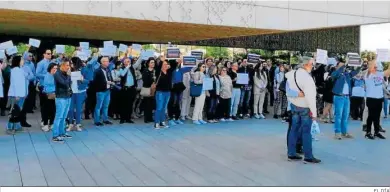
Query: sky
374, 37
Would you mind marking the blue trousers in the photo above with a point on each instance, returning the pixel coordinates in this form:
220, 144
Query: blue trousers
162, 99
301, 124
341, 113
20, 102
102, 103
62, 109
76, 107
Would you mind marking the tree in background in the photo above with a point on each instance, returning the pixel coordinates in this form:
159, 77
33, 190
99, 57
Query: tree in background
370, 55
217, 52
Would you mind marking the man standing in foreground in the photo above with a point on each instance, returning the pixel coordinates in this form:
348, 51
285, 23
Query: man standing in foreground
303, 109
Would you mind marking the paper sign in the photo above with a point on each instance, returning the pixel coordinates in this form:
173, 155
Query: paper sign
6, 45
189, 61
74, 76
82, 55
354, 60
173, 53
197, 54
207, 84
110, 50
322, 56
100, 50
34, 42
84, 45
253, 59
136, 47
123, 48
12, 50
383, 55
242, 78
147, 54
60, 49
332, 61
108, 43
2, 54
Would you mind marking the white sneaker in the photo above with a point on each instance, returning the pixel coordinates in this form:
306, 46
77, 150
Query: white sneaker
230, 119
262, 116
45, 128
70, 127
211, 121
222, 120
42, 124
78, 127
257, 116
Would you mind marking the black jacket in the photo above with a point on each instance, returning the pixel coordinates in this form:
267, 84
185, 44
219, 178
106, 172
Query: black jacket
148, 78
124, 78
99, 80
63, 84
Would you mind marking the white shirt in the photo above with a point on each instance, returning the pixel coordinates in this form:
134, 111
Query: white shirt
374, 85
105, 75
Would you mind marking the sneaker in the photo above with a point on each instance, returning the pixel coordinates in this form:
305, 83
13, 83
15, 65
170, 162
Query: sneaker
11, 131
66, 136
257, 116
45, 128
262, 116
312, 160
222, 120
203, 122
294, 158
235, 118
216, 121
182, 118
382, 130
42, 124
156, 126
276, 116
364, 128
98, 124
211, 121
197, 122
78, 127
337, 136
247, 116
57, 139
171, 123
179, 122
230, 119
347, 136
70, 127
163, 125
188, 117
380, 136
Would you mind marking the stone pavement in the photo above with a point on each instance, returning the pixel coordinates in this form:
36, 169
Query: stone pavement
242, 153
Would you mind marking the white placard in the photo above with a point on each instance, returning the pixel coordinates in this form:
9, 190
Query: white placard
353, 59
75, 76
34, 42
173, 53
6, 45
123, 48
383, 55
253, 58
242, 78
136, 47
82, 55
110, 50
2, 54
322, 56
12, 50
207, 84
84, 45
60, 49
108, 43
147, 54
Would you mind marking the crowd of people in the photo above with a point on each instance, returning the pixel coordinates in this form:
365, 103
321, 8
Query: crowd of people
162, 91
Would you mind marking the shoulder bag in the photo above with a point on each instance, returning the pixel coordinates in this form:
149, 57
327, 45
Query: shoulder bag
196, 89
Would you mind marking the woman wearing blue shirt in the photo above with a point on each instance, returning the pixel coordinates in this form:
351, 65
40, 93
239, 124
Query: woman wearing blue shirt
49, 106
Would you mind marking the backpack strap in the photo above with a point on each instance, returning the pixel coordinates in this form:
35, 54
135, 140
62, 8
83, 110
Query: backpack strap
295, 79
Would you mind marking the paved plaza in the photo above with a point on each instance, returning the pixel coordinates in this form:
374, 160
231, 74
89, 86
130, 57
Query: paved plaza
241, 153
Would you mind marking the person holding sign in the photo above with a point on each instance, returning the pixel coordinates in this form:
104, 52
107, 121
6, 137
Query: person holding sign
29, 68
342, 91
212, 95
163, 92
197, 77
236, 94
246, 89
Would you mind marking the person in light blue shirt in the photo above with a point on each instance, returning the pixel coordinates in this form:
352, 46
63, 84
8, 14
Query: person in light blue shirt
41, 71
49, 107
29, 69
357, 99
88, 71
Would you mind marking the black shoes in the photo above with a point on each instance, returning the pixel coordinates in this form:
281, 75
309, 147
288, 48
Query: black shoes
98, 124
294, 158
313, 160
369, 136
382, 130
276, 116
126, 121
380, 136
25, 124
130, 121
376, 135
364, 128
107, 122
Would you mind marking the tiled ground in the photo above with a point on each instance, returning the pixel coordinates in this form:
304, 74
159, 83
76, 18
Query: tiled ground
243, 153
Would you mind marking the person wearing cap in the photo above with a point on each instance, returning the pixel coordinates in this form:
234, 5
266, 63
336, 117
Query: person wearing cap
342, 91
303, 110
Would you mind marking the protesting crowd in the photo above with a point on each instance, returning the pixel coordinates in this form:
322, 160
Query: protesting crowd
163, 91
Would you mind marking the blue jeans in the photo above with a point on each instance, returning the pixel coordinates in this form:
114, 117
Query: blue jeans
300, 125
386, 106
76, 105
20, 102
236, 94
102, 103
162, 99
341, 113
62, 109
245, 98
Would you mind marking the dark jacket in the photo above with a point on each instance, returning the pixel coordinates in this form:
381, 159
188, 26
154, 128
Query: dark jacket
63, 84
148, 77
99, 80
124, 78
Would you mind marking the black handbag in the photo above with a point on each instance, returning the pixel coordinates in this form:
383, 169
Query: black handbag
282, 86
178, 87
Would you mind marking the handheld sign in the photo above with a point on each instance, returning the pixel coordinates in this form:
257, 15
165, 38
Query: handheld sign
2, 54
6, 45
108, 43
322, 56
383, 55
207, 84
332, 61
136, 47
197, 54
253, 58
12, 50
122, 48
189, 61
34, 42
242, 78
354, 60
84, 45
60, 49
173, 53
147, 54
82, 55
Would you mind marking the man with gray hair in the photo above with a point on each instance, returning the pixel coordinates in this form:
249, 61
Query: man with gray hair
303, 110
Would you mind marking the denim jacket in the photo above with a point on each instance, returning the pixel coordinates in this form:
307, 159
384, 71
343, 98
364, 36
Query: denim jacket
340, 77
83, 85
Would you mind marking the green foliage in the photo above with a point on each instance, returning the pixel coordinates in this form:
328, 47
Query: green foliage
369, 55
69, 50
217, 52
149, 46
21, 48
